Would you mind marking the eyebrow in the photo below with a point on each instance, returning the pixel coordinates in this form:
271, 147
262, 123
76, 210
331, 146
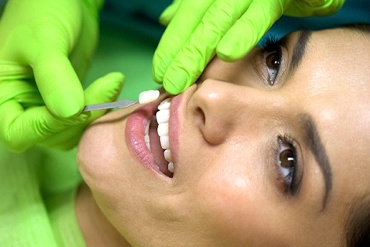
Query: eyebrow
313, 140
299, 50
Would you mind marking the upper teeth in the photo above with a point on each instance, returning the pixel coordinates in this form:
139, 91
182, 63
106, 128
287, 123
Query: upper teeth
162, 116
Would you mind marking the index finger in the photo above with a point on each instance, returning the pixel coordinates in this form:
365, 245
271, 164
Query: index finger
249, 29
59, 84
177, 34
199, 50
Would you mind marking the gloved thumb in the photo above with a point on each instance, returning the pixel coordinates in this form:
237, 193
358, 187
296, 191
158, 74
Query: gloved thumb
104, 89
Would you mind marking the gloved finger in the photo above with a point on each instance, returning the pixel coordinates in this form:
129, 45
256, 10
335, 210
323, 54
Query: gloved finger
16, 81
249, 29
169, 13
58, 84
80, 57
104, 89
313, 7
22, 128
172, 40
54, 74
193, 58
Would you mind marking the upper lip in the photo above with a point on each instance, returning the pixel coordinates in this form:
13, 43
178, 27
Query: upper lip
178, 108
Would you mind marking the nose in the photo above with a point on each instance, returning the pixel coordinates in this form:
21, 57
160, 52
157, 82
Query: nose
223, 109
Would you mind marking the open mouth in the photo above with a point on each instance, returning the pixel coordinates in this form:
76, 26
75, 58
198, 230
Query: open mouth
157, 138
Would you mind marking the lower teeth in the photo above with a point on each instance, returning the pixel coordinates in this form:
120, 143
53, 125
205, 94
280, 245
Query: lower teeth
170, 167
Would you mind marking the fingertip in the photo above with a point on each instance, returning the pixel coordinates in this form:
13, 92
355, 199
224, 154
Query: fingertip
177, 79
117, 77
165, 17
105, 88
168, 13
230, 50
158, 68
155, 76
170, 87
175, 88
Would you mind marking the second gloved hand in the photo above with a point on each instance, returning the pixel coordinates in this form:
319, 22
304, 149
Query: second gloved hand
53, 40
25, 121
198, 30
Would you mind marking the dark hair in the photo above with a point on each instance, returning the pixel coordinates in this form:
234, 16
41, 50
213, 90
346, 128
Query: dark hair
358, 224
360, 27
357, 229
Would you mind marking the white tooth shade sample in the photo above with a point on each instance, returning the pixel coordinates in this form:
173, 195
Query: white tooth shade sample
148, 96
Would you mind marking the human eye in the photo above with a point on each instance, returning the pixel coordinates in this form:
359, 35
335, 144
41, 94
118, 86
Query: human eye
272, 57
287, 165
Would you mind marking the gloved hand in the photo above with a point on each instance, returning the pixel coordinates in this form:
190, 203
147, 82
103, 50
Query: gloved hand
52, 41
45, 48
25, 121
198, 30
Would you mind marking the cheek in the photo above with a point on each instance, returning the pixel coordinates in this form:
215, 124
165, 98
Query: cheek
232, 203
96, 152
100, 165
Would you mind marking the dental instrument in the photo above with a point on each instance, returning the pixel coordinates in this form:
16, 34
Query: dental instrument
144, 97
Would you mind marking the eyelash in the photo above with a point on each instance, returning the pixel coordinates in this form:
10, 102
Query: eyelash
271, 46
287, 179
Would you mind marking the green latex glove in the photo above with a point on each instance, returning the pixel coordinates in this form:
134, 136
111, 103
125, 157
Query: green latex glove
25, 121
53, 40
197, 30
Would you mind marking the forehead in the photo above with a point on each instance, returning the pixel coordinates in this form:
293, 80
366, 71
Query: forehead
333, 78
337, 58
334, 70
334, 83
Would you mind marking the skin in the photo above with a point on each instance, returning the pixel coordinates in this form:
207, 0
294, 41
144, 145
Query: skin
226, 189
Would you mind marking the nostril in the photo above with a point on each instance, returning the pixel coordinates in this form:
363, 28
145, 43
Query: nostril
211, 111
214, 130
201, 116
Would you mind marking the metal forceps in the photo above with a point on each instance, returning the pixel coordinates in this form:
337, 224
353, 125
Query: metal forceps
116, 104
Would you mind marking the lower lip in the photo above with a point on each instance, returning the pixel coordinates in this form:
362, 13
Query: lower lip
135, 131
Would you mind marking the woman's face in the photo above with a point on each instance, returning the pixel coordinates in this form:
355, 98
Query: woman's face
268, 151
